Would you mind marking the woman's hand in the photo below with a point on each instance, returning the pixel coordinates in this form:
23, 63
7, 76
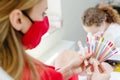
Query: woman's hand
100, 72
72, 62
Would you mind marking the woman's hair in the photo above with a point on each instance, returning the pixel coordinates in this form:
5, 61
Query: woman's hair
97, 15
13, 58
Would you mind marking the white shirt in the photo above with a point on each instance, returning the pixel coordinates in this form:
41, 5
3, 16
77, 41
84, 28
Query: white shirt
113, 34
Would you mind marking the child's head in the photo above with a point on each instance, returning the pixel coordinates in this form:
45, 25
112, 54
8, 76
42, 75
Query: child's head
95, 19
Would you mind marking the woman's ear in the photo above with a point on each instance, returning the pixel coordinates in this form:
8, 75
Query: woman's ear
16, 18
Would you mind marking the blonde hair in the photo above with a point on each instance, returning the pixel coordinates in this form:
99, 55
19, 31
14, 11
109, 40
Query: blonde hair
96, 15
12, 55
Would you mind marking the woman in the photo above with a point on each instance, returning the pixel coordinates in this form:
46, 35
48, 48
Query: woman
22, 23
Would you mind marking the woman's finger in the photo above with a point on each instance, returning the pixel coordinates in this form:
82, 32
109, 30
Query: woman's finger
105, 67
95, 66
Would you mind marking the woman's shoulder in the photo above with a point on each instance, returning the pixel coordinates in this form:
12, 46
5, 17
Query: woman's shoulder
113, 33
113, 29
47, 72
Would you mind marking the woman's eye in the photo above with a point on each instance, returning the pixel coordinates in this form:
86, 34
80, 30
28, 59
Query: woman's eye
44, 13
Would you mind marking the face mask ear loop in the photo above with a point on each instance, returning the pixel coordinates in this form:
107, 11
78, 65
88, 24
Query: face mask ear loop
27, 16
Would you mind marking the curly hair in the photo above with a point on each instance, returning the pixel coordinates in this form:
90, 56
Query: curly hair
112, 14
102, 13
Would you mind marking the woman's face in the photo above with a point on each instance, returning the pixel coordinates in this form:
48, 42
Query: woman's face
36, 13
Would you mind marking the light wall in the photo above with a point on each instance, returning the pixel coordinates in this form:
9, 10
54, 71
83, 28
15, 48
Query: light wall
71, 13
54, 7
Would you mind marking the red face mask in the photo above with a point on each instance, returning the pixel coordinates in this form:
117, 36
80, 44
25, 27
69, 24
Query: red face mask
33, 36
